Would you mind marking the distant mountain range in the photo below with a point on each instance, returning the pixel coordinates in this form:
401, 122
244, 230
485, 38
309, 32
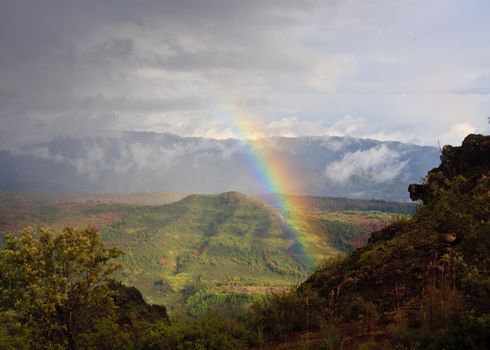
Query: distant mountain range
151, 162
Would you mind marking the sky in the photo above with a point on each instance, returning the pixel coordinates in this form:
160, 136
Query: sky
411, 71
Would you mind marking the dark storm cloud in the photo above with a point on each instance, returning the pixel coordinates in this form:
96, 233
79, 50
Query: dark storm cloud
77, 67
61, 58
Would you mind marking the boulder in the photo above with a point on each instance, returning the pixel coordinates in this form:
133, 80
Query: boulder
449, 238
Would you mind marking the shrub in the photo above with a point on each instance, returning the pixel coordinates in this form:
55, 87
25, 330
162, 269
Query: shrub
282, 314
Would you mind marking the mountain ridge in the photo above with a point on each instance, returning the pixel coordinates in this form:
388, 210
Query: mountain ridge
151, 162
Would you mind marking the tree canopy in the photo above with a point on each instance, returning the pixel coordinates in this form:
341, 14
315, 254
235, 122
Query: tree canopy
56, 285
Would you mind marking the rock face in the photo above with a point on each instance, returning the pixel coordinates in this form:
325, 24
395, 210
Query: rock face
471, 160
130, 304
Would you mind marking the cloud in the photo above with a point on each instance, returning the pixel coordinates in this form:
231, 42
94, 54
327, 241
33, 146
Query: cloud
139, 105
113, 48
124, 153
142, 161
359, 127
293, 126
457, 133
83, 67
346, 126
378, 164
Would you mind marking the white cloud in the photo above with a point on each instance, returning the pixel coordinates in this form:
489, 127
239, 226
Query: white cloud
346, 126
457, 133
94, 156
379, 164
293, 126
359, 127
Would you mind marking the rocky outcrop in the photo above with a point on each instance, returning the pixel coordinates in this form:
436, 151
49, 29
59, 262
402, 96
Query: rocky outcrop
131, 305
394, 267
471, 160
386, 233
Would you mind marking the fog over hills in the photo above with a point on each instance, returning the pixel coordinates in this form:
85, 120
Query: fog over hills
148, 162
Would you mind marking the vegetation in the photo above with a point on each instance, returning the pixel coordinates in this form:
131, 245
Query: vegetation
218, 244
57, 293
56, 286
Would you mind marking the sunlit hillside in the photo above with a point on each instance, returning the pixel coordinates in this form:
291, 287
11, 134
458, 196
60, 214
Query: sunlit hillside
220, 243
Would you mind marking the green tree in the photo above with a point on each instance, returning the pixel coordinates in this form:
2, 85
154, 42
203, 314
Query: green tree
57, 284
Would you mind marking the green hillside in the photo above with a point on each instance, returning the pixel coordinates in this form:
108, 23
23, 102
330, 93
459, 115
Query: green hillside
202, 241
206, 247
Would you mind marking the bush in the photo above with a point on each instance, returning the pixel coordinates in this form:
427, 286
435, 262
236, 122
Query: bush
330, 338
211, 331
281, 314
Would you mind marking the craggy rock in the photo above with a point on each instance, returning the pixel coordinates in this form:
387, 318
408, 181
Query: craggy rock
471, 160
419, 192
130, 304
385, 234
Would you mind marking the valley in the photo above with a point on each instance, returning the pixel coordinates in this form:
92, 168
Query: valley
187, 252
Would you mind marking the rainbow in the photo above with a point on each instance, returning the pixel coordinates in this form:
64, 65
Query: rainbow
277, 179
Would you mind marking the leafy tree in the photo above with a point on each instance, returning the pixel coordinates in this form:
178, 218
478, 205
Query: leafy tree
57, 284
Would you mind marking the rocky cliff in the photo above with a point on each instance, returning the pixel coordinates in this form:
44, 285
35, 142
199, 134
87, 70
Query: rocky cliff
471, 160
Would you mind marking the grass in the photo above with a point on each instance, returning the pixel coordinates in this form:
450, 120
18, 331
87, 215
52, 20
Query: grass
207, 242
